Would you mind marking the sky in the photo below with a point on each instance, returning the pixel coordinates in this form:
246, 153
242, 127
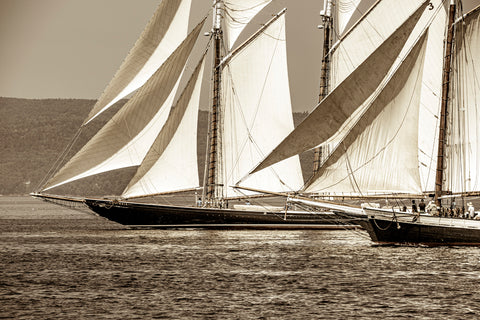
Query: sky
72, 48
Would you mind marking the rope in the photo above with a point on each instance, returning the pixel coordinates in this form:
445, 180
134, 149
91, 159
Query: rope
77, 206
248, 126
60, 159
383, 229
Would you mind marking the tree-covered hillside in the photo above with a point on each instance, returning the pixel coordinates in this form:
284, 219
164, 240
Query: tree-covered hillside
33, 133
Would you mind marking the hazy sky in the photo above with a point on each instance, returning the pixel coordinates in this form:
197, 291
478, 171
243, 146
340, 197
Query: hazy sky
72, 48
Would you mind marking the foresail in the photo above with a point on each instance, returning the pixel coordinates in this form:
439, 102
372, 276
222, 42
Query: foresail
434, 20
337, 107
463, 144
380, 154
171, 163
258, 112
163, 34
127, 137
238, 14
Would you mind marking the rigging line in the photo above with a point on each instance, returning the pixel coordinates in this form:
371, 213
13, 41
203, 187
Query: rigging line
166, 74
183, 93
476, 83
332, 218
388, 226
60, 159
346, 55
382, 85
352, 173
153, 147
461, 121
209, 128
249, 126
467, 59
228, 6
257, 109
221, 124
397, 131
363, 18
129, 133
451, 143
432, 157
335, 219
273, 37
237, 21
249, 135
475, 73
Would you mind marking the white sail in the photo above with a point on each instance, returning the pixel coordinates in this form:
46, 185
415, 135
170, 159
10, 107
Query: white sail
127, 137
171, 163
367, 35
337, 107
258, 112
345, 10
434, 18
379, 154
163, 34
463, 150
431, 92
238, 14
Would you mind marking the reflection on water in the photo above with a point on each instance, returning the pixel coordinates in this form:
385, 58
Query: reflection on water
69, 265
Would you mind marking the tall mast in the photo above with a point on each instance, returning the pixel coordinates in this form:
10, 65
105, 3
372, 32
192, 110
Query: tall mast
326, 14
211, 186
444, 106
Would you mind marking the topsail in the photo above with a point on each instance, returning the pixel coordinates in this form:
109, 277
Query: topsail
238, 14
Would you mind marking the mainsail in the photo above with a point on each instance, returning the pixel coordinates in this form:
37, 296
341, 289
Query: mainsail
463, 151
258, 112
162, 35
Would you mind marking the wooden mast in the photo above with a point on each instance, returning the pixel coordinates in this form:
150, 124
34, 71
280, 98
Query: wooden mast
324, 76
444, 106
211, 195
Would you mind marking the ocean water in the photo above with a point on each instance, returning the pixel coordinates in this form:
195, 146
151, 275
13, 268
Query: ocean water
57, 263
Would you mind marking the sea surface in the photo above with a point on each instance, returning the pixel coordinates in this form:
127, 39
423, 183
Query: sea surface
58, 263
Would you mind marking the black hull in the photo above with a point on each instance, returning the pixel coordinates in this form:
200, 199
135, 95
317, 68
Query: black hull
153, 215
388, 228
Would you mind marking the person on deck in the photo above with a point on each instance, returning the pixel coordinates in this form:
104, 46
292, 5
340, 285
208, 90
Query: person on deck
431, 208
471, 210
415, 211
421, 206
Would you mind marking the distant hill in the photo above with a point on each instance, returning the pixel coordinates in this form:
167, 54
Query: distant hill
34, 132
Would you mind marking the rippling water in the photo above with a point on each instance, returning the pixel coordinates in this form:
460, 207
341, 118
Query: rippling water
64, 264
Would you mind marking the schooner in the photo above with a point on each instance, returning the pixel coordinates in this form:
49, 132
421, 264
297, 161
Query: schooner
156, 130
402, 125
